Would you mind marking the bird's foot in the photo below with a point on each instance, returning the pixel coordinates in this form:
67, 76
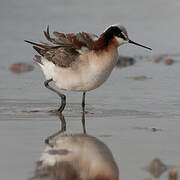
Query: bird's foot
54, 112
87, 112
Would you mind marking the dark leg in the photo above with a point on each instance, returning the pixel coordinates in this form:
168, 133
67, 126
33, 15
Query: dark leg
84, 122
63, 128
83, 102
83, 113
63, 97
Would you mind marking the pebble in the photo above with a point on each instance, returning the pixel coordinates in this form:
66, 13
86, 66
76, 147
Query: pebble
124, 61
140, 78
156, 168
173, 174
168, 61
20, 67
158, 59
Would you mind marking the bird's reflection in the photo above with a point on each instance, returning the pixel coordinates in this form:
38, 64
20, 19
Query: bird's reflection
76, 157
63, 127
84, 122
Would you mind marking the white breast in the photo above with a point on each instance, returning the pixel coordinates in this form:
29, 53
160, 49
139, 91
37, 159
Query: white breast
100, 67
88, 73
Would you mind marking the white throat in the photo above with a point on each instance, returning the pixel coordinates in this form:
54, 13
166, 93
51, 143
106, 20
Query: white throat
121, 41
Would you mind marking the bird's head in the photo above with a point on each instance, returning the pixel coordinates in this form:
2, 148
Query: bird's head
120, 35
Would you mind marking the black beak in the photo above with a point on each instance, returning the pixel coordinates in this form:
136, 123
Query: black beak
132, 42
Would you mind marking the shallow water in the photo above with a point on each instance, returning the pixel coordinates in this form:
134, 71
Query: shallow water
123, 112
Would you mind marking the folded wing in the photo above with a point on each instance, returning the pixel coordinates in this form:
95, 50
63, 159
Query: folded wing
64, 49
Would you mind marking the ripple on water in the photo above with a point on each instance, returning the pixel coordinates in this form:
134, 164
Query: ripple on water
21, 110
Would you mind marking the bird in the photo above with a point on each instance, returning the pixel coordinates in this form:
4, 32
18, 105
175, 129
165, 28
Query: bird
79, 61
77, 157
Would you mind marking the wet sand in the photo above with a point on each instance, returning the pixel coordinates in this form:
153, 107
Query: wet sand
123, 112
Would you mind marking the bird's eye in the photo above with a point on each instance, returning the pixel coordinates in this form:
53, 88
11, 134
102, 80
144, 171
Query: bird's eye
121, 35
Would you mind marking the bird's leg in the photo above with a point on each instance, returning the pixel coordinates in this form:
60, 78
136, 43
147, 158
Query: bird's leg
63, 97
83, 113
84, 123
63, 128
83, 102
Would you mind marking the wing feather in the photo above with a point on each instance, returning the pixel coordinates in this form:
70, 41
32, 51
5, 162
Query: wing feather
64, 49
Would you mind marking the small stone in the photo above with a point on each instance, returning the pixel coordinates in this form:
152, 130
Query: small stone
158, 59
124, 61
154, 129
173, 174
168, 61
140, 78
156, 168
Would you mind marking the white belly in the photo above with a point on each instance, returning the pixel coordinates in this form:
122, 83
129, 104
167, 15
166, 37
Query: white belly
87, 74
85, 81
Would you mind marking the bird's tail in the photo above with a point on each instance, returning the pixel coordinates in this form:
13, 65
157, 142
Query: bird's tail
54, 43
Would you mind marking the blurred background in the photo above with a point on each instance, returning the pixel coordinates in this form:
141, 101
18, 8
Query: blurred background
124, 110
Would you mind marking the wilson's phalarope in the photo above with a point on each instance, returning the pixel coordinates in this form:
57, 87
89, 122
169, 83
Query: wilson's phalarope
77, 157
80, 62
